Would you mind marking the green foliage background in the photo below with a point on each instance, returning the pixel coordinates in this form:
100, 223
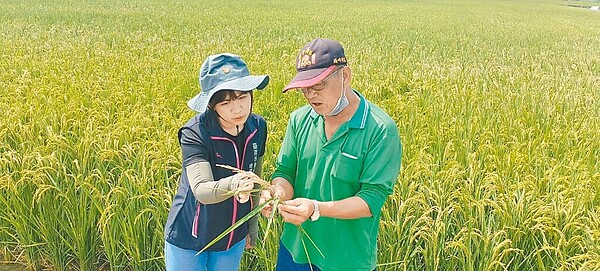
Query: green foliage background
497, 102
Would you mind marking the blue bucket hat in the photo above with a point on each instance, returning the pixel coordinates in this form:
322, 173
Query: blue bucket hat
224, 72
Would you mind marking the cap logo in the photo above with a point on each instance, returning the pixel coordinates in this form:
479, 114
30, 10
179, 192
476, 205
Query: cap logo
306, 58
225, 70
339, 60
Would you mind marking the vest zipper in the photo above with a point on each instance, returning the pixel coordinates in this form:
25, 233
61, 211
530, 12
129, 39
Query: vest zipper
239, 165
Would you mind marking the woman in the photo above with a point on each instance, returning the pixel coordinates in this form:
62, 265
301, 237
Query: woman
224, 132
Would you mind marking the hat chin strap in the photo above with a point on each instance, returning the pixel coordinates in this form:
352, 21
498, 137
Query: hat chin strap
219, 116
342, 102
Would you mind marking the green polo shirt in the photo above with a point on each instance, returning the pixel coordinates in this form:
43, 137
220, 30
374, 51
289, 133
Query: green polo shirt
361, 159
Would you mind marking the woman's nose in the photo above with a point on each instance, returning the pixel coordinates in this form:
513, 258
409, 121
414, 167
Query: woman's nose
237, 106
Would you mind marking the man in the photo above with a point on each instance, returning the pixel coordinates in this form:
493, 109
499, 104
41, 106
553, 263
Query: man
338, 163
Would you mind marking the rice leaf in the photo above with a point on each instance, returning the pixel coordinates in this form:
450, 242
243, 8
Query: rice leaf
276, 202
303, 232
236, 225
306, 252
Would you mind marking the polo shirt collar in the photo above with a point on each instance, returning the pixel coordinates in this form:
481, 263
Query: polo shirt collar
359, 119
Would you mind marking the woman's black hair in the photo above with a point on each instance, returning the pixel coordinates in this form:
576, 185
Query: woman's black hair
224, 95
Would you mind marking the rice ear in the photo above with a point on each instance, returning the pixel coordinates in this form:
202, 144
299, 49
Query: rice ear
255, 179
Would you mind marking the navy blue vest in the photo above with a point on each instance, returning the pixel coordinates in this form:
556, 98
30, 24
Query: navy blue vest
192, 225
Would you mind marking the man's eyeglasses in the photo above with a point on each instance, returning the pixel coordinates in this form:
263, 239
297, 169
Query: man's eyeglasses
318, 86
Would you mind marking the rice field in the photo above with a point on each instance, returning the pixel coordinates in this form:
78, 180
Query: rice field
497, 103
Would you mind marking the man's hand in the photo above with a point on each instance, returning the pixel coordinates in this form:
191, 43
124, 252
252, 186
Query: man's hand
274, 191
296, 211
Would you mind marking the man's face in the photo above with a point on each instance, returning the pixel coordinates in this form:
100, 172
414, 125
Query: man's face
323, 96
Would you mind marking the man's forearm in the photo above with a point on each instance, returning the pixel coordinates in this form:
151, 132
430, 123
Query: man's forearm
349, 208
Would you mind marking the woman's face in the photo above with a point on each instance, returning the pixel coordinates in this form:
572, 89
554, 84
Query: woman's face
234, 111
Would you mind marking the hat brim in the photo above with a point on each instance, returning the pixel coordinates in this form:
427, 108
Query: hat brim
247, 83
309, 78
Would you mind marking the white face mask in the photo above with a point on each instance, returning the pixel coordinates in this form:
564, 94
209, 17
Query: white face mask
342, 102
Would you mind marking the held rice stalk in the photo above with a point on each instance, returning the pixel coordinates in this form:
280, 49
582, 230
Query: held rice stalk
236, 224
263, 185
275, 201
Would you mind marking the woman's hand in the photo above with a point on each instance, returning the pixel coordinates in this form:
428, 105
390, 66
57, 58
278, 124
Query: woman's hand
243, 185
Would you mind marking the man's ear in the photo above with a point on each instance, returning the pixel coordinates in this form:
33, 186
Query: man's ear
346, 73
